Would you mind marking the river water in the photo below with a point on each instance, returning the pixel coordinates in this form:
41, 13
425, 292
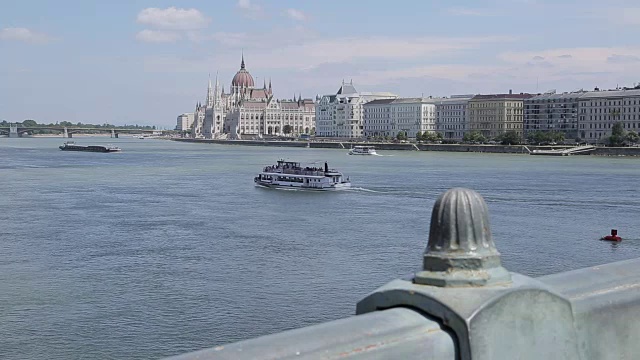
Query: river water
168, 247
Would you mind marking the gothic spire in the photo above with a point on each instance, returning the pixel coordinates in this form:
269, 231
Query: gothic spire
209, 101
242, 62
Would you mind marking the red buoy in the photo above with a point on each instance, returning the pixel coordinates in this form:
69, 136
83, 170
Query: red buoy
613, 237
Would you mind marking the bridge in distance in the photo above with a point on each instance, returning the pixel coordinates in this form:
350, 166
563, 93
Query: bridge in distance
17, 130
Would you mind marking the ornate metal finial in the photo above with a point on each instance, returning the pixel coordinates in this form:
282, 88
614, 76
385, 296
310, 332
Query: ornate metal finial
461, 251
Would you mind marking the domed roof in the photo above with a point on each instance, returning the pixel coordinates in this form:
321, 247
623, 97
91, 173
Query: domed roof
242, 77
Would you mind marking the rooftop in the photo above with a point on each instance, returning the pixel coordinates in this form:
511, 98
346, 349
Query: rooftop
611, 94
552, 96
503, 96
418, 100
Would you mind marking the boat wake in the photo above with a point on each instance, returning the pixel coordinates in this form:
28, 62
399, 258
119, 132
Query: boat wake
361, 189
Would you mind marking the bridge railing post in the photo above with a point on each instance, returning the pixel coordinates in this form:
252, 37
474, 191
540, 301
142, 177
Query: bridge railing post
463, 284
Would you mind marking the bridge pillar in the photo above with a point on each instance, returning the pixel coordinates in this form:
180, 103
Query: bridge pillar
114, 134
13, 131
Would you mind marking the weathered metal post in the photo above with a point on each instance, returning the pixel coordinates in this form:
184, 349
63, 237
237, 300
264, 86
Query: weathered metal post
493, 313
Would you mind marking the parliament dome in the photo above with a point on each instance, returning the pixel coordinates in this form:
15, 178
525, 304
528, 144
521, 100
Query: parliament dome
242, 77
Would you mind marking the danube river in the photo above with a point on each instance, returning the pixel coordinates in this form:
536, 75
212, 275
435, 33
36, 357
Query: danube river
168, 247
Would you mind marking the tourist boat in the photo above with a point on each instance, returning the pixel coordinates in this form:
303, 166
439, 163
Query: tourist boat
290, 175
362, 150
71, 146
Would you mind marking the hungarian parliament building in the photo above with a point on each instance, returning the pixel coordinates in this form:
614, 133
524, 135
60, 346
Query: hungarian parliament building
248, 112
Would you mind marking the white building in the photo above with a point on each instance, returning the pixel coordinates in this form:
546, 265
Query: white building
452, 117
184, 122
251, 111
388, 117
598, 111
342, 114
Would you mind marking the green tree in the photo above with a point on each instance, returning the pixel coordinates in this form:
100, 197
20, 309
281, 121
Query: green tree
557, 136
29, 123
617, 137
509, 138
473, 136
419, 136
287, 129
430, 136
401, 135
632, 137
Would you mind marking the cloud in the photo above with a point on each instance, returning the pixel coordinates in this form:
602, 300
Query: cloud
301, 49
623, 16
463, 11
250, 8
173, 19
296, 14
24, 35
379, 62
623, 59
575, 65
158, 36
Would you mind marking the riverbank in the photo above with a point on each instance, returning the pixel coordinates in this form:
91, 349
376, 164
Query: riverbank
495, 149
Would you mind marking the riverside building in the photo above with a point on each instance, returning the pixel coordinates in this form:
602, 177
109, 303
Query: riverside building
452, 116
247, 110
388, 117
598, 111
342, 115
496, 114
184, 122
551, 112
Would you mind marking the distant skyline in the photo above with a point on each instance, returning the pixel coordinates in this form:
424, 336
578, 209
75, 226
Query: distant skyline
146, 62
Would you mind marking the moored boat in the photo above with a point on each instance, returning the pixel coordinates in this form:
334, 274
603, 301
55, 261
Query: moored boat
71, 146
290, 175
362, 150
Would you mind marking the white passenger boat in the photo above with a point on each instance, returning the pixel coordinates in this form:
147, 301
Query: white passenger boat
362, 150
290, 175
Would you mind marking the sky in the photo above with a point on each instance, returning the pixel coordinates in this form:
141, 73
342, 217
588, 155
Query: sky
146, 62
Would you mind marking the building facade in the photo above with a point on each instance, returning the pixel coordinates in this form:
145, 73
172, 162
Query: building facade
247, 110
551, 112
494, 115
452, 116
388, 117
184, 122
342, 115
598, 111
